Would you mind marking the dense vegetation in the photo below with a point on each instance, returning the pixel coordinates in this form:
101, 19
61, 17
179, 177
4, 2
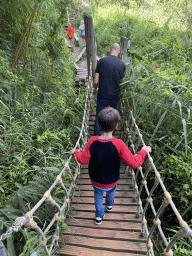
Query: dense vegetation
40, 106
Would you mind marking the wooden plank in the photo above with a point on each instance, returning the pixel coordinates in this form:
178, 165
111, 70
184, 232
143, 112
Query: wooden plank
106, 234
67, 43
107, 223
90, 200
81, 76
106, 244
80, 55
76, 66
76, 37
111, 234
71, 250
81, 71
112, 216
116, 208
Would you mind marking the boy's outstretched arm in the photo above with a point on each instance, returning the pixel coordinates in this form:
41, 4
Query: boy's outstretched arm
133, 160
82, 156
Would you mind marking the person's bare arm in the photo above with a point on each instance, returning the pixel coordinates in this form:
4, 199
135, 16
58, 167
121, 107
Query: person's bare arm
96, 81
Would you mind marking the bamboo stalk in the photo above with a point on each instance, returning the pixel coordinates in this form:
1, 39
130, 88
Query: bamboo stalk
22, 39
42, 60
27, 43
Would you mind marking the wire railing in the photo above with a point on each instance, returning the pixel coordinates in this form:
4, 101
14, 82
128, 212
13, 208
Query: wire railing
142, 193
61, 210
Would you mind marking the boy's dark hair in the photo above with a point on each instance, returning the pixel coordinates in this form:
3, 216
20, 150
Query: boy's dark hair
108, 119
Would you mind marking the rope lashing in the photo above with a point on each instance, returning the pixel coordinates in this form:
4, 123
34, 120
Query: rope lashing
42, 242
59, 218
169, 253
150, 245
30, 223
56, 237
49, 198
149, 200
60, 181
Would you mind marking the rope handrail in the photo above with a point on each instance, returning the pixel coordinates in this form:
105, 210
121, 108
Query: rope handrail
28, 221
135, 138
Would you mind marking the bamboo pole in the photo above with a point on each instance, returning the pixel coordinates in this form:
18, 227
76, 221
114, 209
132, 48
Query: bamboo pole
27, 43
21, 41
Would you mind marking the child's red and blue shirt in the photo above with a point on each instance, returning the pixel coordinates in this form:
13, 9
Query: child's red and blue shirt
104, 157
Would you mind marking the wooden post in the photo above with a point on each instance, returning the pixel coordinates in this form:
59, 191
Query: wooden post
91, 47
94, 54
123, 48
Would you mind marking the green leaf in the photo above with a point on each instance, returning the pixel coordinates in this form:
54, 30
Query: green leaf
158, 125
10, 246
2, 190
5, 106
185, 134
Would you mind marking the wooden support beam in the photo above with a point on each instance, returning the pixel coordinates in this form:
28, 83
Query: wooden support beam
76, 66
80, 55
123, 48
67, 43
76, 37
91, 46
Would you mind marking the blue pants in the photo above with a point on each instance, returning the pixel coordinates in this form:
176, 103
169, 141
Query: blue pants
98, 194
101, 104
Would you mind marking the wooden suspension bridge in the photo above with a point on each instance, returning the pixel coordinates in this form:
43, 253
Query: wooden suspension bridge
119, 233
124, 231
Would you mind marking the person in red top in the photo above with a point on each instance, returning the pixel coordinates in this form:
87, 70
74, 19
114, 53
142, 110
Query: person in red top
104, 154
70, 33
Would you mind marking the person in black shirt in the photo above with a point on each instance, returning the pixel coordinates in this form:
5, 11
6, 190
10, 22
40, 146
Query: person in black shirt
108, 76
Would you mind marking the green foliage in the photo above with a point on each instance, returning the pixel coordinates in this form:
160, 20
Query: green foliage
40, 111
36, 119
178, 169
157, 84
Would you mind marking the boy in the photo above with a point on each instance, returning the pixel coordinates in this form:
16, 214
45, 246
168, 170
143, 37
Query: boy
103, 153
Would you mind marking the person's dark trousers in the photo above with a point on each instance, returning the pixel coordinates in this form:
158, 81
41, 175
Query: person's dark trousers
101, 104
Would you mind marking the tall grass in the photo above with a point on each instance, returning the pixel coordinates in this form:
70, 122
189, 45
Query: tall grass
40, 112
157, 83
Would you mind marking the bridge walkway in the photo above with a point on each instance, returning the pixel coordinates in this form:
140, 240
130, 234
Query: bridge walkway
119, 233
